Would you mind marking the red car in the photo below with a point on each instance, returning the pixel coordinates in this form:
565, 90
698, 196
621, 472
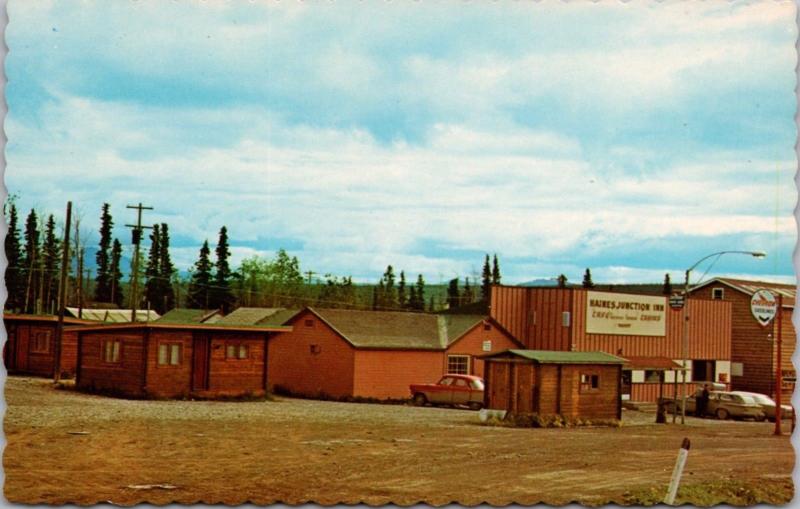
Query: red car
450, 390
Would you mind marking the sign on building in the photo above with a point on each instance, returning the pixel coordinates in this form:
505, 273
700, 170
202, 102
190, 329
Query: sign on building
764, 307
624, 314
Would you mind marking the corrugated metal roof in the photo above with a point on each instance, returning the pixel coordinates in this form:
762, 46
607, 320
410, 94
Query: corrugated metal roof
186, 315
559, 357
749, 287
256, 316
115, 315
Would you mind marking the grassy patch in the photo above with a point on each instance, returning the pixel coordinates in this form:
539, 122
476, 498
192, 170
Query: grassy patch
705, 494
548, 421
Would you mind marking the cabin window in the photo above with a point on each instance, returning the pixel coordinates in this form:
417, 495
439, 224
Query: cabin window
315, 349
718, 293
651, 376
309, 323
236, 351
40, 343
169, 354
111, 351
487, 326
458, 364
589, 382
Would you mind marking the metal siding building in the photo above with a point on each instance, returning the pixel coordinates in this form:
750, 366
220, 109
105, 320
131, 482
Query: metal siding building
556, 319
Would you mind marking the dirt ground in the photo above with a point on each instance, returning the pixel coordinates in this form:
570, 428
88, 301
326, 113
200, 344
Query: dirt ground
67, 447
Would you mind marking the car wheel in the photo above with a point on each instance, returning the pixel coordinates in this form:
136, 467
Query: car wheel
722, 414
474, 405
420, 399
761, 418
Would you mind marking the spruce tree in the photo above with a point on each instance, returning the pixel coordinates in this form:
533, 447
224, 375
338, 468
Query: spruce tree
152, 272
402, 301
15, 281
116, 273
413, 301
562, 281
389, 291
102, 289
587, 279
31, 260
420, 293
453, 295
467, 296
51, 250
495, 271
200, 284
667, 290
166, 272
486, 281
222, 297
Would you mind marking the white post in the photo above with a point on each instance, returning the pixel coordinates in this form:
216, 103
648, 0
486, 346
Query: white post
677, 472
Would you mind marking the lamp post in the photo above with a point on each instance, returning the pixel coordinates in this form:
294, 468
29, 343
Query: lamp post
754, 254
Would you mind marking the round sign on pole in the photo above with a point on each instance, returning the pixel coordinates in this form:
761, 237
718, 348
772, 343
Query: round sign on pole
764, 307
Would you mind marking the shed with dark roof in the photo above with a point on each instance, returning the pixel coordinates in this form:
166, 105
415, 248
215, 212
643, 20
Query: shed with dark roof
344, 353
546, 382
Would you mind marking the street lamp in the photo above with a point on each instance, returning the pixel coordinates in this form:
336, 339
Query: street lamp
754, 254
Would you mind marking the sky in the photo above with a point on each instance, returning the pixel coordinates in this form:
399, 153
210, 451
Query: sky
632, 139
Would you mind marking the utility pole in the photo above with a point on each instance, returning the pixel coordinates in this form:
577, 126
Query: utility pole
309, 273
62, 297
80, 281
136, 235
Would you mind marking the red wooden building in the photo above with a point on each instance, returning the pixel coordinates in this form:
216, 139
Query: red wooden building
641, 328
30, 345
754, 347
547, 382
378, 354
174, 360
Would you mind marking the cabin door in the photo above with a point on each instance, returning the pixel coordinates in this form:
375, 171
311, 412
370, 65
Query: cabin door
201, 355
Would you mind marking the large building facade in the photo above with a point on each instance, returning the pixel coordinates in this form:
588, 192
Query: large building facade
641, 328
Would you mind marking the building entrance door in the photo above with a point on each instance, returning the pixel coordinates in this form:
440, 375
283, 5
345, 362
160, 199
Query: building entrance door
201, 354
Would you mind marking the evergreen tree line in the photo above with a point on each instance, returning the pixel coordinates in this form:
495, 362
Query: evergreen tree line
490, 275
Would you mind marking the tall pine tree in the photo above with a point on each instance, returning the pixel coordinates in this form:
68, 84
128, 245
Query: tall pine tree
166, 270
402, 301
467, 296
562, 281
667, 289
420, 293
116, 273
15, 280
31, 261
587, 279
486, 280
51, 262
495, 271
222, 296
152, 272
453, 295
200, 284
102, 289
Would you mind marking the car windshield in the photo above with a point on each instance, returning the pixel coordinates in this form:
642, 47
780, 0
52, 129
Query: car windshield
739, 398
477, 385
761, 399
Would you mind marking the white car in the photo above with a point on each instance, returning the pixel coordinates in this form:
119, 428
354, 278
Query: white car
768, 405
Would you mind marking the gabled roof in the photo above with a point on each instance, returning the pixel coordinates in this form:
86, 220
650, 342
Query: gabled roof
186, 315
750, 287
257, 316
46, 318
182, 326
398, 329
559, 357
115, 315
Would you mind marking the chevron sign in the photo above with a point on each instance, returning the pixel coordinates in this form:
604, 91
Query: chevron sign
764, 307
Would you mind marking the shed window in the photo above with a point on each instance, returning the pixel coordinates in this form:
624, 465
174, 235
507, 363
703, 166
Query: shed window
169, 354
309, 323
651, 376
111, 350
315, 349
458, 364
236, 351
40, 343
589, 382
718, 293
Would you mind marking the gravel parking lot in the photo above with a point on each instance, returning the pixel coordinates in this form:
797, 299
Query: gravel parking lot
64, 447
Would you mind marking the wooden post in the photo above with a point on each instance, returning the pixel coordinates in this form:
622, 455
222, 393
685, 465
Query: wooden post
62, 297
677, 472
778, 370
